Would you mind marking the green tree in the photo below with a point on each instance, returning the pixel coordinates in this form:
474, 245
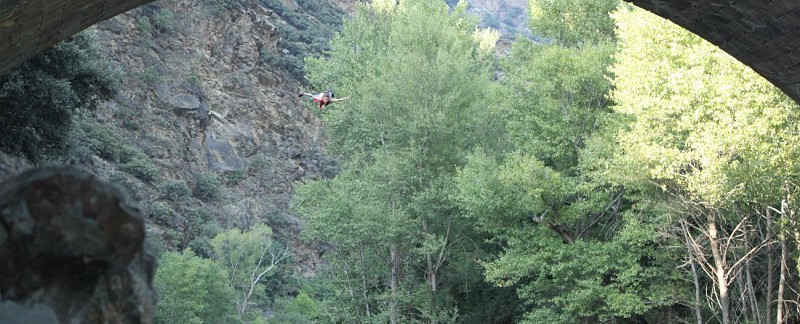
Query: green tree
573, 22
419, 74
248, 256
572, 244
717, 147
39, 97
301, 309
192, 290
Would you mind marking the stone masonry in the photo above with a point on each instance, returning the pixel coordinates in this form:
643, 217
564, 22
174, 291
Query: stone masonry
761, 33
764, 34
30, 26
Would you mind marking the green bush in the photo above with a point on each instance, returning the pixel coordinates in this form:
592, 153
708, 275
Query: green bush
125, 181
301, 309
157, 244
141, 168
160, 212
227, 4
172, 238
206, 186
197, 216
192, 290
150, 76
205, 232
300, 36
164, 21
175, 190
39, 97
100, 139
143, 23
194, 80
234, 177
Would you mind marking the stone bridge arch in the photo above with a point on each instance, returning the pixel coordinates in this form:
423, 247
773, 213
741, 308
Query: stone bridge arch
30, 26
764, 34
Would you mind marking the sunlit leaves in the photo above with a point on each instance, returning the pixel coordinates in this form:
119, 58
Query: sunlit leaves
192, 290
573, 22
702, 120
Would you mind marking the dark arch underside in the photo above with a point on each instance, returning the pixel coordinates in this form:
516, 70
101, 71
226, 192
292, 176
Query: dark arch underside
30, 26
764, 34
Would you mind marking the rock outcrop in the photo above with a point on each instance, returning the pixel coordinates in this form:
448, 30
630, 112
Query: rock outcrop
72, 250
28, 27
201, 99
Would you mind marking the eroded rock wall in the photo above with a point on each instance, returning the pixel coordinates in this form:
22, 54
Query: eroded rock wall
73, 251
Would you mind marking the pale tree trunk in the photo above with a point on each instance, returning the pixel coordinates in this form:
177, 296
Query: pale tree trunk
364, 280
751, 293
258, 273
697, 313
743, 300
433, 265
750, 288
431, 273
719, 267
779, 318
394, 254
770, 268
782, 280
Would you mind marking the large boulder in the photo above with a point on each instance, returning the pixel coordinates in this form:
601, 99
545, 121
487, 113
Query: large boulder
72, 250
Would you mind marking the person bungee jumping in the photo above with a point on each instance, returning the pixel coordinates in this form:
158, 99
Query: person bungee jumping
324, 99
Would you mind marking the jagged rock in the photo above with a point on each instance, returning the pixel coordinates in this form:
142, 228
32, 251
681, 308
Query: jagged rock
16, 313
72, 246
185, 101
10, 166
221, 154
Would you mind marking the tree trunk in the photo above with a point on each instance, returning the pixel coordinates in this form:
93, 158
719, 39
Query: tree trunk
749, 287
364, 280
782, 280
783, 267
432, 269
719, 267
742, 295
751, 293
770, 269
697, 313
395, 257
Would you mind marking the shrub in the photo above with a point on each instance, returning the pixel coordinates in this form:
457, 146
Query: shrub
143, 23
192, 290
164, 21
206, 186
150, 76
123, 180
40, 96
157, 244
194, 80
227, 4
160, 212
141, 168
301, 309
205, 232
175, 190
258, 163
99, 139
234, 177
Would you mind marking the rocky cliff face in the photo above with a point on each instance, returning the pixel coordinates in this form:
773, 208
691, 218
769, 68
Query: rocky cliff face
73, 251
201, 100
510, 17
209, 93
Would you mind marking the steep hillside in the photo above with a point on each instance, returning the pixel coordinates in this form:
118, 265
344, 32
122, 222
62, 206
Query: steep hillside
510, 17
208, 132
